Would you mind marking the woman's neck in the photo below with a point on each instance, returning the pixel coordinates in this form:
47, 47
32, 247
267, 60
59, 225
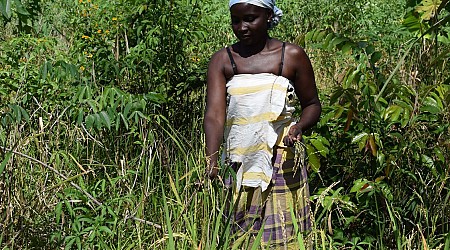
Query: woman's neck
250, 50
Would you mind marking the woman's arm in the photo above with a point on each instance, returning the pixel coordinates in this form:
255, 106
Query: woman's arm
214, 119
306, 91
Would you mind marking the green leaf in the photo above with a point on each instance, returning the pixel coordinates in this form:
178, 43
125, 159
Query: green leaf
347, 48
337, 92
375, 57
428, 161
309, 36
5, 161
127, 109
105, 119
24, 114
171, 243
320, 147
257, 243
5, 8
393, 112
361, 139
80, 116
58, 212
313, 160
437, 152
70, 240
357, 185
156, 98
20, 8
327, 41
336, 41
105, 229
428, 9
90, 119
319, 35
430, 105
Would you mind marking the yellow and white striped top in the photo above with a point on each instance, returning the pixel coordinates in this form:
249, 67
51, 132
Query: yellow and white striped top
259, 113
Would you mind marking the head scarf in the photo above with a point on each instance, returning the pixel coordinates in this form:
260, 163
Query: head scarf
268, 4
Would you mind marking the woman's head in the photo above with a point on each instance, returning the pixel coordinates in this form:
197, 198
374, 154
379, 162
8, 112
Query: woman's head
267, 4
250, 23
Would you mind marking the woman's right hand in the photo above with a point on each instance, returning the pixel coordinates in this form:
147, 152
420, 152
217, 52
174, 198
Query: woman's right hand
212, 170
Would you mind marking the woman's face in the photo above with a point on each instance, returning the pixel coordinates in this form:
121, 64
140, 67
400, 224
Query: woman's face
249, 22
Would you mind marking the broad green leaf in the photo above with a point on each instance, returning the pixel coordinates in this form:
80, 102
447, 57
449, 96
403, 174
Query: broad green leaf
428, 9
438, 100
430, 109
430, 105
393, 112
428, 161
336, 41
44, 71
80, 116
89, 121
339, 110
337, 92
17, 113
24, 114
105, 119
5, 8
437, 152
347, 48
105, 229
359, 137
406, 117
20, 8
313, 159
127, 109
319, 35
156, 98
375, 57
358, 184
309, 36
327, 41
350, 79
320, 147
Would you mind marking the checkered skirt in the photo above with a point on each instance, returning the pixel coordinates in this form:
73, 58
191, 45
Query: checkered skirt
271, 210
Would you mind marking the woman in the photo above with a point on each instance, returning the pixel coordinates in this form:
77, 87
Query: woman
250, 90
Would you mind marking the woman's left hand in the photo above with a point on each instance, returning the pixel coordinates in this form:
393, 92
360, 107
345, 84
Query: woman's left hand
294, 135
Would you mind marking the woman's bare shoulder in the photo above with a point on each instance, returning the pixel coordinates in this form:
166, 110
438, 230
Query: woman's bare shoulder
219, 56
294, 51
220, 64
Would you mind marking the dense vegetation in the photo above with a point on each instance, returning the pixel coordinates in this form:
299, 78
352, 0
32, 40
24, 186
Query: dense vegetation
101, 139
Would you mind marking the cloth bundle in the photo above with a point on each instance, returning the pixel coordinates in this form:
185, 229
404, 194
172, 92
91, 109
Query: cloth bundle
258, 115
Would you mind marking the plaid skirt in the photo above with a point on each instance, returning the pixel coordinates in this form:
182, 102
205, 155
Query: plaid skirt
272, 210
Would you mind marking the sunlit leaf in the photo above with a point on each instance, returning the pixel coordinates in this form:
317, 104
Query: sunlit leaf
320, 147
313, 159
428, 9
393, 112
